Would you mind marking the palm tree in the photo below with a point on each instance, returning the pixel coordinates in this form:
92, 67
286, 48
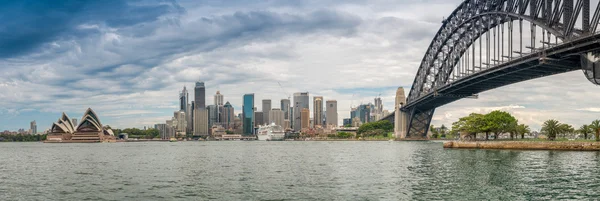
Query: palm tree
566, 129
551, 127
522, 129
585, 130
595, 127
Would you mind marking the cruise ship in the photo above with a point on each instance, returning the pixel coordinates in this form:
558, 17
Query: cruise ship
270, 132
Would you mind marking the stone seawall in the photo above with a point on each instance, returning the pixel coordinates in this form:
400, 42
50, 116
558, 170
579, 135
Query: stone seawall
563, 145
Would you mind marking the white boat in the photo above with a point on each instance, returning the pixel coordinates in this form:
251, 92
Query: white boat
270, 132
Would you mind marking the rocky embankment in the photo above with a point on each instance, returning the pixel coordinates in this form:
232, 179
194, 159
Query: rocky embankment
549, 145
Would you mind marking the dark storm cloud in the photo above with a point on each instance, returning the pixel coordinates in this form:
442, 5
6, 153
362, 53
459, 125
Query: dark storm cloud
28, 25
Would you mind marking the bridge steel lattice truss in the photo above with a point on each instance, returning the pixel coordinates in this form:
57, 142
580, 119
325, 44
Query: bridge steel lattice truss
481, 46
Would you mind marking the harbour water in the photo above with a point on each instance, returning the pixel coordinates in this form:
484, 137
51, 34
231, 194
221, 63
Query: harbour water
255, 170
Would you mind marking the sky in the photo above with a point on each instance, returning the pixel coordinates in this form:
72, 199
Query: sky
128, 60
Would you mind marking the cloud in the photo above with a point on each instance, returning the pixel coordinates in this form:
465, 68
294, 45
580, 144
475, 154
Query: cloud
129, 59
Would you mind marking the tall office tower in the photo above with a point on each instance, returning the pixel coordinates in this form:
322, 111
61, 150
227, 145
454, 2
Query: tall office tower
201, 122
287, 113
183, 100
266, 108
363, 112
189, 115
200, 95
170, 128
248, 114
74, 120
213, 115
378, 106
181, 126
33, 127
192, 109
228, 115
277, 117
162, 131
318, 110
259, 118
331, 113
300, 102
218, 98
305, 118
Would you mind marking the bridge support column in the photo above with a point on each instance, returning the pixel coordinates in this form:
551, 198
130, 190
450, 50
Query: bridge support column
400, 118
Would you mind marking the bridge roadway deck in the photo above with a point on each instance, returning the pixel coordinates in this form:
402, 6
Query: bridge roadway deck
562, 58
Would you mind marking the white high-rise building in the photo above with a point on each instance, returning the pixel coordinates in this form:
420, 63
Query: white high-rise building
33, 127
277, 116
219, 98
181, 126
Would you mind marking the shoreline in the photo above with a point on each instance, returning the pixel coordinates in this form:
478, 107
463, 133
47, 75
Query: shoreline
524, 145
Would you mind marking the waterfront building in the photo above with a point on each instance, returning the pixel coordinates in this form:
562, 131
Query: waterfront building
286, 107
228, 116
331, 113
356, 122
277, 117
248, 114
33, 127
317, 111
218, 98
266, 107
200, 95
258, 118
162, 131
170, 128
213, 115
74, 120
181, 126
201, 122
90, 129
305, 118
300, 102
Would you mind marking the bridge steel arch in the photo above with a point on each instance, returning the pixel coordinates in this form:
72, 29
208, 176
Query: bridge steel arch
449, 69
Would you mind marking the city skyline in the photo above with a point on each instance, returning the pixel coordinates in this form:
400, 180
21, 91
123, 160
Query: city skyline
131, 69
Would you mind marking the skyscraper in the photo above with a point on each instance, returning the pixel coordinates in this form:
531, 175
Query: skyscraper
201, 122
318, 110
286, 107
266, 108
276, 116
258, 118
213, 115
200, 95
33, 127
300, 102
331, 113
228, 117
248, 114
181, 126
183, 100
305, 118
200, 112
218, 98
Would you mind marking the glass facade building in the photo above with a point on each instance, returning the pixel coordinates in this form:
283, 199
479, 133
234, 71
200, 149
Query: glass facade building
248, 114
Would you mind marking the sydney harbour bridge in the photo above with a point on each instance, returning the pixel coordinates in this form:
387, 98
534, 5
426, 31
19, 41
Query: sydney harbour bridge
485, 44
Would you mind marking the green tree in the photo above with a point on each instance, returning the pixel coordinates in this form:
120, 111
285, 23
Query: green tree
499, 122
585, 130
434, 131
472, 124
551, 127
522, 129
369, 128
566, 129
595, 126
443, 130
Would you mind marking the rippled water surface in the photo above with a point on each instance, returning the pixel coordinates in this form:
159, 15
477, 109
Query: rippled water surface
242, 170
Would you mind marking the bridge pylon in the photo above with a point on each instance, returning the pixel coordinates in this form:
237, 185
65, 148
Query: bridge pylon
400, 117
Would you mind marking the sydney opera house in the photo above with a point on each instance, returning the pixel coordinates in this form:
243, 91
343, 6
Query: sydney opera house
89, 129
